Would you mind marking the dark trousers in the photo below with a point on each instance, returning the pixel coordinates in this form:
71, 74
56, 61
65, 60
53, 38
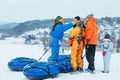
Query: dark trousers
90, 54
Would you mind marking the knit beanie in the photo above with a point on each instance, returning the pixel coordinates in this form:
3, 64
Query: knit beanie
107, 36
89, 16
58, 18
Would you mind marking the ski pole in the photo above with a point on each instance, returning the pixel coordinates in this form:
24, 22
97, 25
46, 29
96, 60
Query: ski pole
84, 56
85, 51
44, 53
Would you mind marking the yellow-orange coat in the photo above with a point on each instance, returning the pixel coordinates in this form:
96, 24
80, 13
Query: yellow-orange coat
76, 49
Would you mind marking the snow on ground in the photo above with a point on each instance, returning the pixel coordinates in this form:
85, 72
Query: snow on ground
12, 40
10, 51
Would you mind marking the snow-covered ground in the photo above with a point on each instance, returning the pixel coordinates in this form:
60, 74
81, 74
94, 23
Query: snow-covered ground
12, 40
10, 51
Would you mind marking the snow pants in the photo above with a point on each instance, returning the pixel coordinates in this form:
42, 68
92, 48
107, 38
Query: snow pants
76, 54
106, 61
55, 46
90, 54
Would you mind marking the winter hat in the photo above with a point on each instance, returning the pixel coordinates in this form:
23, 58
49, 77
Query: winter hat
107, 36
89, 16
58, 18
77, 17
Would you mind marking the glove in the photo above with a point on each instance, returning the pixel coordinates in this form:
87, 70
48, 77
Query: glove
70, 42
104, 53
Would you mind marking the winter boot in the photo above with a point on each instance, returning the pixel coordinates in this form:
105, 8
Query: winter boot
105, 72
74, 71
80, 69
90, 71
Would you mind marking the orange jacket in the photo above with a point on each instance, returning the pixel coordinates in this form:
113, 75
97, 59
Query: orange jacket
91, 32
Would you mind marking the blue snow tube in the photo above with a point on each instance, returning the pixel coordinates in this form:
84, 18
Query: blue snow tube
63, 57
41, 70
64, 64
18, 64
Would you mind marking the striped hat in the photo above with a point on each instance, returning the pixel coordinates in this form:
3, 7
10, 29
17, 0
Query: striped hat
58, 18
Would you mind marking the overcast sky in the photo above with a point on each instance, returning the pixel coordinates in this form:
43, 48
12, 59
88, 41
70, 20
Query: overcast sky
22, 10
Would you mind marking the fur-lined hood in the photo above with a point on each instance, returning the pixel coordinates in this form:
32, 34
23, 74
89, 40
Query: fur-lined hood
106, 40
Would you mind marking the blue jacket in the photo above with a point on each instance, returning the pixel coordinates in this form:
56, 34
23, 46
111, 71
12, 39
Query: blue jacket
107, 46
58, 33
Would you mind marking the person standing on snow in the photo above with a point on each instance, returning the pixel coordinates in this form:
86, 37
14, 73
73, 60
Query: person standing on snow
90, 37
107, 46
77, 45
57, 34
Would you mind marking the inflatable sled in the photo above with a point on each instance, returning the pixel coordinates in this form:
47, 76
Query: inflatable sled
63, 57
64, 64
41, 70
18, 64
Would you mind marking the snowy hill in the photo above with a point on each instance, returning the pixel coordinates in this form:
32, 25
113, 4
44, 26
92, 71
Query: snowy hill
8, 25
105, 24
37, 31
3, 22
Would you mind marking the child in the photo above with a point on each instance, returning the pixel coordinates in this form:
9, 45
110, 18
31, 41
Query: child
107, 46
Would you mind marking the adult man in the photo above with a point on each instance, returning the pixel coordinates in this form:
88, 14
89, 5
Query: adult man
76, 42
90, 36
